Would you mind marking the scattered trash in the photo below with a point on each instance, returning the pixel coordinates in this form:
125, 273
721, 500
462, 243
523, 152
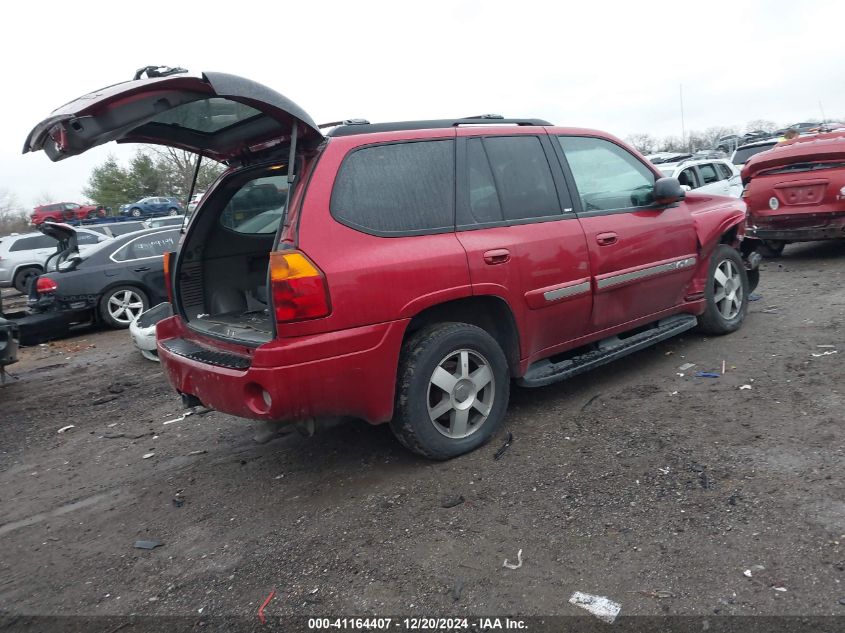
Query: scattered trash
457, 589
194, 411
147, 455
723, 368
603, 608
177, 502
104, 400
518, 561
591, 401
827, 353
115, 388
150, 544
66, 428
450, 501
707, 374
744, 387
504, 447
686, 366
826, 346
264, 605
664, 471
202, 452
747, 573
771, 310
779, 588
754, 296
660, 593
842, 601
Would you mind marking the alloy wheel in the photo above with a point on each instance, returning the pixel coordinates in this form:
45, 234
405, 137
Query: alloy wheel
125, 306
727, 290
460, 393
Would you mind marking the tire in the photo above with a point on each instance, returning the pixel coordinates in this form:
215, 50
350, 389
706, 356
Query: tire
120, 305
772, 248
173, 211
23, 277
135, 213
726, 294
441, 350
92, 215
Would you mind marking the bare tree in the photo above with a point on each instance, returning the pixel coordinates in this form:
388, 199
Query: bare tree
761, 124
12, 217
644, 143
45, 196
177, 167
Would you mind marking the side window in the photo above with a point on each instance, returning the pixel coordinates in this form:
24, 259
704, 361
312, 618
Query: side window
523, 177
688, 177
397, 188
33, 243
70, 206
483, 200
154, 245
724, 171
708, 173
607, 176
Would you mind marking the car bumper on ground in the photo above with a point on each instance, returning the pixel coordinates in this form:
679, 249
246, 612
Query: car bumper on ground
40, 327
345, 373
798, 227
143, 330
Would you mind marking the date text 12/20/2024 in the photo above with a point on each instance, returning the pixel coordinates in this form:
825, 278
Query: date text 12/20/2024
417, 624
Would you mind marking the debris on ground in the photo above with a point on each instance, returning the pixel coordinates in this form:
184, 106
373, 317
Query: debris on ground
779, 588
457, 589
686, 366
659, 593
504, 447
518, 561
744, 387
148, 544
105, 399
66, 428
147, 455
202, 452
450, 501
189, 412
826, 346
827, 353
603, 608
770, 310
707, 374
263, 606
724, 369
590, 401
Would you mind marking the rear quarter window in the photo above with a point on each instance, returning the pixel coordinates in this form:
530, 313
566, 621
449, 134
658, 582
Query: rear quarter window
397, 189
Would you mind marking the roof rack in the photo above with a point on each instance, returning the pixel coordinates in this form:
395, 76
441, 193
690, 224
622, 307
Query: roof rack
361, 126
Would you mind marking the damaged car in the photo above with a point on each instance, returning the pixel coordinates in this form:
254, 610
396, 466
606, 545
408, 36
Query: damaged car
407, 272
795, 192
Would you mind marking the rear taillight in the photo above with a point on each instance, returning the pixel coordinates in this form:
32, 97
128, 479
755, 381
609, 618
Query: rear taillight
45, 285
168, 281
298, 287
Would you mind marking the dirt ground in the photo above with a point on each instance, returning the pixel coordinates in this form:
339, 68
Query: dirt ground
666, 493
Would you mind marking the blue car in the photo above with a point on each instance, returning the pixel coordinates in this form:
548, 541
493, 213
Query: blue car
150, 207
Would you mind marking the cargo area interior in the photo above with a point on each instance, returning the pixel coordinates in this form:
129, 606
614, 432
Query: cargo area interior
224, 266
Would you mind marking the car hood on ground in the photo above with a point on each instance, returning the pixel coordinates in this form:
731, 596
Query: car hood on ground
221, 116
818, 148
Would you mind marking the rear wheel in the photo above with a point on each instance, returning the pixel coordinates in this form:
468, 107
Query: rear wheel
772, 248
24, 276
122, 305
135, 213
172, 211
726, 293
452, 393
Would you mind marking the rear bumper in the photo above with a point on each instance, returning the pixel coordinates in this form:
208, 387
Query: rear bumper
802, 227
346, 373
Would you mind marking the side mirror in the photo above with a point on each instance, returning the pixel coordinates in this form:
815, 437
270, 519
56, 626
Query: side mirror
668, 191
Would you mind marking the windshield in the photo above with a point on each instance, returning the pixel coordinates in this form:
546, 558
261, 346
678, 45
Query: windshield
742, 155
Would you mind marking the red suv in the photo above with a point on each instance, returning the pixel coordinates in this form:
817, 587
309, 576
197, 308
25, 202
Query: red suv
796, 191
407, 272
64, 211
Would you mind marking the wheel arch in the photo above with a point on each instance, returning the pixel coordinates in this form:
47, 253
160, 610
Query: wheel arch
491, 313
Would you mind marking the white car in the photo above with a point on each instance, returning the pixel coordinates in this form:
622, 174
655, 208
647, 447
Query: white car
22, 257
708, 175
143, 329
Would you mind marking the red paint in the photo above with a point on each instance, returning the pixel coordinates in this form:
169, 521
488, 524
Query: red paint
264, 605
52, 213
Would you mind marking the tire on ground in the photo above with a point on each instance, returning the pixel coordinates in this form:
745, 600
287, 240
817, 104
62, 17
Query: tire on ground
421, 354
106, 316
713, 321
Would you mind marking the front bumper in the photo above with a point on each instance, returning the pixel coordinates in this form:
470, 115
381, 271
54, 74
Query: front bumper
143, 329
346, 373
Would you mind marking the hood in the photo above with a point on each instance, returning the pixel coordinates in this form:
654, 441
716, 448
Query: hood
221, 116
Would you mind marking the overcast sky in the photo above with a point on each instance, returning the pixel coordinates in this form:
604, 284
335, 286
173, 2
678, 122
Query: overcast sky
615, 66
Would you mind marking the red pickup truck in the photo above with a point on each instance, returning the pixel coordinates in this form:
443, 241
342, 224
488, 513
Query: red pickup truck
406, 273
64, 211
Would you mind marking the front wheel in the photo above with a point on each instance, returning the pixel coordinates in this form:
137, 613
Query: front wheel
452, 393
135, 213
172, 211
726, 293
122, 305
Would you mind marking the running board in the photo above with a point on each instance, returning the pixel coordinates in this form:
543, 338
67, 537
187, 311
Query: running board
545, 372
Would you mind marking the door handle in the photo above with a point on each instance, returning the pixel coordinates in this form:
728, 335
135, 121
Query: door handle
141, 269
497, 256
605, 239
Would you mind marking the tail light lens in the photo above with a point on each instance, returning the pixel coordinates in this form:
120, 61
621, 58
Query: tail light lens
168, 281
45, 285
298, 287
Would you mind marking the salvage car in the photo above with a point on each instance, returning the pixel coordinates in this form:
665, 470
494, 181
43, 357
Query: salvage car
712, 175
110, 284
796, 191
416, 267
143, 330
66, 211
152, 207
22, 257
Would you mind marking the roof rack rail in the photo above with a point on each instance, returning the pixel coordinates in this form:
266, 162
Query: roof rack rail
360, 126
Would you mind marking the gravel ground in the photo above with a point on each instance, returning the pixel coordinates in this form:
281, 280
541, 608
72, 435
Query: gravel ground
666, 493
